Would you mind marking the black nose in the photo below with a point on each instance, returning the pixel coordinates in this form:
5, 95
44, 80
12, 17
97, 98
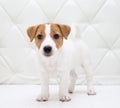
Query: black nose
47, 49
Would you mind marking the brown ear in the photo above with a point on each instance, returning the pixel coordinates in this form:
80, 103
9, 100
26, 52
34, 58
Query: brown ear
65, 29
31, 31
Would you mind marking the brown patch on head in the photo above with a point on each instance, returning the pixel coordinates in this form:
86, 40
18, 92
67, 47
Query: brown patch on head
37, 32
65, 29
58, 32
31, 31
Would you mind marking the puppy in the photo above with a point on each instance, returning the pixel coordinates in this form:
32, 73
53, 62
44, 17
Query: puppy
59, 56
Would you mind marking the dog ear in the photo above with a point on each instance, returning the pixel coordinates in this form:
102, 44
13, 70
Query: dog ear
65, 29
31, 31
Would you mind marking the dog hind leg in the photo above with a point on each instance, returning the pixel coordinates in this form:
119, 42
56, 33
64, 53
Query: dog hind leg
89, 77
73, 78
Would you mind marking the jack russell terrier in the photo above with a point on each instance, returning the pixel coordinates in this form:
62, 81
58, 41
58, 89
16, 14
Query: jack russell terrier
59, 56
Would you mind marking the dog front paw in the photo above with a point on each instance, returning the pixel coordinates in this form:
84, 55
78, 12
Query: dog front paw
42, 99
91, 92
65, 98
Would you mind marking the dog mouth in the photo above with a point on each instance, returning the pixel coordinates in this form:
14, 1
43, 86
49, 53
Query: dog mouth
47, 54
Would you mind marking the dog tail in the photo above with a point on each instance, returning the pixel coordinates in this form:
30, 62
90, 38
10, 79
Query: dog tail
75, 31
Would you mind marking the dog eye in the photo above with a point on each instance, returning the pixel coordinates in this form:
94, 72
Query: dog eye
56, 36
39, 36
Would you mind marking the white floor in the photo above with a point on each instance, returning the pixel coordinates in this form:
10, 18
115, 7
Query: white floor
23, 96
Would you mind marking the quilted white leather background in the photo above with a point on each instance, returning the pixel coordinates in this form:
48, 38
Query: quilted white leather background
99, 23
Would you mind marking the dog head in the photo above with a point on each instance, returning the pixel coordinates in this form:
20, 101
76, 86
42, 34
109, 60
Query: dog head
48, 37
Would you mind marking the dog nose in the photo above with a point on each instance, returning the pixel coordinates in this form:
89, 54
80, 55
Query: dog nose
47, 49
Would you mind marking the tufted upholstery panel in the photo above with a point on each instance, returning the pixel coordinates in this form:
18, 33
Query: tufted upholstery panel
99, 24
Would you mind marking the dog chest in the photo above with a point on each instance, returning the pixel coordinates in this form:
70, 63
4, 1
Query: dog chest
51, 67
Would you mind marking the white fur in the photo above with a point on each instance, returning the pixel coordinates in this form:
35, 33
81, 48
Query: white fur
61, 65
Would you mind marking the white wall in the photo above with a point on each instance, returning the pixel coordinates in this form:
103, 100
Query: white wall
99, 23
